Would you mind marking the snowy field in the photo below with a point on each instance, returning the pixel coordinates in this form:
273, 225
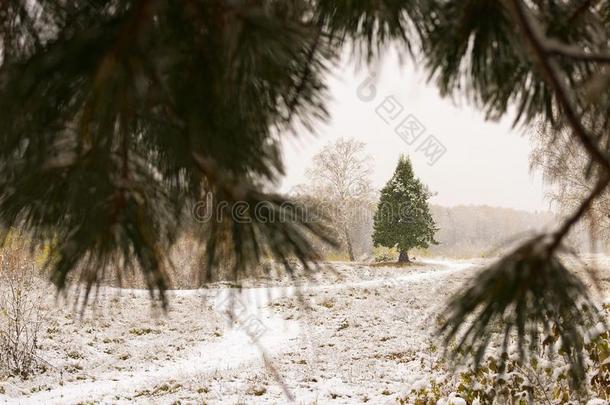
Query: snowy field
355, 334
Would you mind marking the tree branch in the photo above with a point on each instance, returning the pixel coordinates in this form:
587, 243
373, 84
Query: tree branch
548, 67
305, 75
540, 56
580, 10
582, 209
555, 48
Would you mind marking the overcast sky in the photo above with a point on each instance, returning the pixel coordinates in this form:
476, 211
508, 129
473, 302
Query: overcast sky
485, 162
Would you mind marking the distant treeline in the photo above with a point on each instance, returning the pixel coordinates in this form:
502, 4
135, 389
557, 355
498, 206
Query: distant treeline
481, 230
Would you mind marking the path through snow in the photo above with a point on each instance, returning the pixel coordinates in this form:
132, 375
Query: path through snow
235, 349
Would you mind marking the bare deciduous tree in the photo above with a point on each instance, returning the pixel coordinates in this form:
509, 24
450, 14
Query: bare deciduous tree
340, 176
566, 170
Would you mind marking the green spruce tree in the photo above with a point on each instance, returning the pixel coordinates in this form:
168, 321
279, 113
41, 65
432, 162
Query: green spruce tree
403, 218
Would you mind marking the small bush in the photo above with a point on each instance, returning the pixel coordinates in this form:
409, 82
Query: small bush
20, 312
538, 380
142, 331
74, 355
383, 254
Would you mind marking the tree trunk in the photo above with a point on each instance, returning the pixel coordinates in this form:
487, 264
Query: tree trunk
403, 257
348, 241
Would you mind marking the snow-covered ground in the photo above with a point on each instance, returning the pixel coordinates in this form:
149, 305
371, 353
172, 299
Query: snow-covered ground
356, 334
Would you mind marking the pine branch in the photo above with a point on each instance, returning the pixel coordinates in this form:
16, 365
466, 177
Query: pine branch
25, 18
277, 230
555, 48
548, 67
306, 74
579, 213
540, 55
580, 10
530, 292
528, 297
